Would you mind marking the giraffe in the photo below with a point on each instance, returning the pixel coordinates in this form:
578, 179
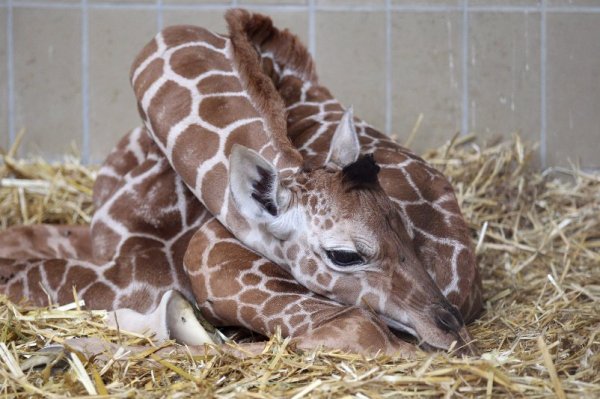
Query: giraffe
333, 227
106, 238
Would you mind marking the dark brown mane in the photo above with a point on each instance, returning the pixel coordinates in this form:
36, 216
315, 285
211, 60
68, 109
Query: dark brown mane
362, 173
258, 85
287, 48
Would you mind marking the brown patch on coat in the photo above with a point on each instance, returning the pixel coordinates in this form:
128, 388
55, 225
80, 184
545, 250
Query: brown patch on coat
215, 84
147, 77
195, 249
181, 34
223, 111
54, 269
224, 253
99, 296
189, 154
120, 274
169, 105
152, 266
254, 296
213, 195
79, 277
191, 62
251, 279
292, 252
243, 135
137, 300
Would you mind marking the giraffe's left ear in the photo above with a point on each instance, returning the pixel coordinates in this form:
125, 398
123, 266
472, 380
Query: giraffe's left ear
254, 184
344, 148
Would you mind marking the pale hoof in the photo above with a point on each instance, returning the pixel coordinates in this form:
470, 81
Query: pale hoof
174, 318
187, 326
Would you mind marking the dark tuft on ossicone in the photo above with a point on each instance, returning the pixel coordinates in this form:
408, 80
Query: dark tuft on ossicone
362, 173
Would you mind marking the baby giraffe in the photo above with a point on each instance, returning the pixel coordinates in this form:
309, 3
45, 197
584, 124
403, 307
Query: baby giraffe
346, 248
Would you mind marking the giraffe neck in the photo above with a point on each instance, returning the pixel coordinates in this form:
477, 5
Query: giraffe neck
199, 94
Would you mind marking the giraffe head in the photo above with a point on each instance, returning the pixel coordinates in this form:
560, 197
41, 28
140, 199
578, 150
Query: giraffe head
339, 234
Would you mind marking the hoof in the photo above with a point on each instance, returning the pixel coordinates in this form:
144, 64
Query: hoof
174, 318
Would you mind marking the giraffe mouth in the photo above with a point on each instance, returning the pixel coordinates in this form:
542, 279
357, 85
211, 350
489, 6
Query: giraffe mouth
463, 338
399, 326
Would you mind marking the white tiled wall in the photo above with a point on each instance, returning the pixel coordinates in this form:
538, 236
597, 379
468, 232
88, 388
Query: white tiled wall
489, 67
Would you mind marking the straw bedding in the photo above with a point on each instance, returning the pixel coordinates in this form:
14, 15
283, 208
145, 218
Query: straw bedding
538, 244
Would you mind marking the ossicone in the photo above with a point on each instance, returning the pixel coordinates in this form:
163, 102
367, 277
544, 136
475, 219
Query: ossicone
362, 173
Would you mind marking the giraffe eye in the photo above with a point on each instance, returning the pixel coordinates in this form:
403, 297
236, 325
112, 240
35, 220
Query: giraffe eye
344, 258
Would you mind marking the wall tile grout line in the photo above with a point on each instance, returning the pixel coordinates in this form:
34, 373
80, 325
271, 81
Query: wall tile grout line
543, 81
85, 86
312, 30
388, 68
464, 127
159, 15
10, 73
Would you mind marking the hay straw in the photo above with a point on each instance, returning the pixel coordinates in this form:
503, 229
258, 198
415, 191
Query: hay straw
34, 191
538, 241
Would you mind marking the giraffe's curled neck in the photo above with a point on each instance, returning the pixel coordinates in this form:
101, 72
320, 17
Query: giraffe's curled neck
199, 95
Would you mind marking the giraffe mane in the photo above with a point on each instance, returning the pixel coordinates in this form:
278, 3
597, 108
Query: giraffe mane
286, 48
259, 86
362, 173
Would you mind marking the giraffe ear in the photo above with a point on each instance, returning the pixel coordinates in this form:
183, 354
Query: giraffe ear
254, 185
345, 147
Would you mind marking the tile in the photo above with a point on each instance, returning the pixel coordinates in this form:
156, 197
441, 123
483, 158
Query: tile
501, 3
350, 54
16, 2
212, 20
421, 3
426, 76
273, 2
4, 134
573, 89
125, 1
342, 3
575, 3
219, 2
116, 37
504, 74
47, 71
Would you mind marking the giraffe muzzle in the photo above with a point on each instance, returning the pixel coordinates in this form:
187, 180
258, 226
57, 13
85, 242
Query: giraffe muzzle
437, 327
449, 320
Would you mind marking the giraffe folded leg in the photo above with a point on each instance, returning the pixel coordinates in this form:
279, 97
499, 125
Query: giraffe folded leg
45, 281
46, 241
235, 286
